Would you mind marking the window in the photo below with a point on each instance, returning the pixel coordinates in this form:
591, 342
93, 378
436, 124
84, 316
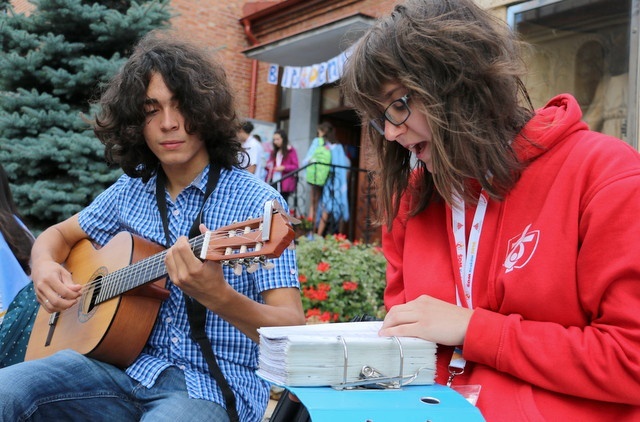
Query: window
581, 47
331, 98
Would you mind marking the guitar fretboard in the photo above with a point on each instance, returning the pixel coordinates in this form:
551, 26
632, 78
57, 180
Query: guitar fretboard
135, 275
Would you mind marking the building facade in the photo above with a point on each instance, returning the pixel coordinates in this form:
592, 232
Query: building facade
584, 47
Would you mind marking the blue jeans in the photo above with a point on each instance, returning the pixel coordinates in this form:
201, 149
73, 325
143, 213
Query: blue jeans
68, 386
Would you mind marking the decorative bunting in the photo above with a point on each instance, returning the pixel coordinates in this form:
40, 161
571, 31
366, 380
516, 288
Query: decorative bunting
309, 76
272, 78
286, 77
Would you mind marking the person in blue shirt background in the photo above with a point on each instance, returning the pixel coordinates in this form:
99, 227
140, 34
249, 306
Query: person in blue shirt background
15, 247
168, 120
333, 208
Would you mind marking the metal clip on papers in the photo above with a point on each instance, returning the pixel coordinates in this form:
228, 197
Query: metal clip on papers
370, 377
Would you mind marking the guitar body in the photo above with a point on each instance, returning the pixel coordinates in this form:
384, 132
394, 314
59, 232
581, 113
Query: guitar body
114, 331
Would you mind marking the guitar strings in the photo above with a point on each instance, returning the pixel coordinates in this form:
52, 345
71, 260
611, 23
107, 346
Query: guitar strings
119, 281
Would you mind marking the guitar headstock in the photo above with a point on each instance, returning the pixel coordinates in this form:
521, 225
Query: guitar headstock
243, 244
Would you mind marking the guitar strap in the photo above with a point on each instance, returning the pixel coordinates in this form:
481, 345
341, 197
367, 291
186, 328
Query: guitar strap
196, 312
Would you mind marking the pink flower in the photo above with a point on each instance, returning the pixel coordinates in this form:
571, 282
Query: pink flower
323, 266
309, 292
320, 294
326, 316
324, 287
313, 312
349, 285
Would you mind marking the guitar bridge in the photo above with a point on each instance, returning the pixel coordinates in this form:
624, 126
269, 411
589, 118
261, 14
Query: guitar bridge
53, 319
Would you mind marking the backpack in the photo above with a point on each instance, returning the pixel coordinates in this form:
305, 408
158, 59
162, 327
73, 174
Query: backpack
317, 174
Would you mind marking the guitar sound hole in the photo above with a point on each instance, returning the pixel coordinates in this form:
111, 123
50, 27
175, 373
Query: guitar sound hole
91, 295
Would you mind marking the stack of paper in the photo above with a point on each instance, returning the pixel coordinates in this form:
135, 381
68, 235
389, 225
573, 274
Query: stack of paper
334, 354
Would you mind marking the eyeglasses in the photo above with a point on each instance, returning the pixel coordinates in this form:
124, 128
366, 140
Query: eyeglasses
396, 113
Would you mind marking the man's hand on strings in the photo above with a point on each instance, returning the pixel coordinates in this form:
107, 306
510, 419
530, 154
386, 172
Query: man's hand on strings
54, 287
204, 281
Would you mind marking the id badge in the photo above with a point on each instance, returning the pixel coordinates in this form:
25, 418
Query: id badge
469, 392
456, 367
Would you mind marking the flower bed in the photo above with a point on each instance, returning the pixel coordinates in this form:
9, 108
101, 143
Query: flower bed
340, 279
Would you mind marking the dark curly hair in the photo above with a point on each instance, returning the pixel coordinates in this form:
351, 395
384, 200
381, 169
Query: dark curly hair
463, 69
198, 82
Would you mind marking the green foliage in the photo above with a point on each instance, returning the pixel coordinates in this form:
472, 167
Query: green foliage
340, 279
306, 224
53, 64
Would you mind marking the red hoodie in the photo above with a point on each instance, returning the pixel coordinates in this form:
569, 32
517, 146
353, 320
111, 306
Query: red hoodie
555, 335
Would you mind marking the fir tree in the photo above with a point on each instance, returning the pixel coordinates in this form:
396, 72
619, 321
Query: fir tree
53, 63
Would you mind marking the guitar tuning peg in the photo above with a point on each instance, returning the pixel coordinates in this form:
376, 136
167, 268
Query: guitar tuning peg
237, 268
252, 264
253, 267
268, 265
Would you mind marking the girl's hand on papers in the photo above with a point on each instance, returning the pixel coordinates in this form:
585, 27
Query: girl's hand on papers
430, 319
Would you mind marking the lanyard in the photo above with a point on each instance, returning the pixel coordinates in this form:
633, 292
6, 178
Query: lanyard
467, 254
466, 259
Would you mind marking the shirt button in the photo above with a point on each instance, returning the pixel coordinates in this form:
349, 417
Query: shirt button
176, 212
182, 367
168, 320
175, 340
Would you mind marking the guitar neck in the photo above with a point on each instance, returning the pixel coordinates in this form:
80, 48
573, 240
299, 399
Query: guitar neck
238, 244
135, 275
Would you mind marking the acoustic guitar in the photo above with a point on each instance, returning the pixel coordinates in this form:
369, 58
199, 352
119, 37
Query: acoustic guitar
124, 286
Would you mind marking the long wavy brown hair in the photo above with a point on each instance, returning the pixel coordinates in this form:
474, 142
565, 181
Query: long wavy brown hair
200, 85
463, 69
284, 148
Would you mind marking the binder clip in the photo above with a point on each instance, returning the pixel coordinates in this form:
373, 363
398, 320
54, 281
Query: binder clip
371, 378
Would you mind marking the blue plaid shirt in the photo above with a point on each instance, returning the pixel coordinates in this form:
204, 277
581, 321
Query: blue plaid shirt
130, 205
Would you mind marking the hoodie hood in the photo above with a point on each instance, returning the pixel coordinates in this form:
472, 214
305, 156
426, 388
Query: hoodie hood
558, 119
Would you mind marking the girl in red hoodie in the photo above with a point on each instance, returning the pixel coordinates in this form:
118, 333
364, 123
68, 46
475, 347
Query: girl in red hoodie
511, 233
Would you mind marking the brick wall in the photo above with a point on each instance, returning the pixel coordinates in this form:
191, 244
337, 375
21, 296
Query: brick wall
216, 23
313, 13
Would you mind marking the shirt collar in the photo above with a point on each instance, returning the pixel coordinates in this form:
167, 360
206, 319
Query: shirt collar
200, 182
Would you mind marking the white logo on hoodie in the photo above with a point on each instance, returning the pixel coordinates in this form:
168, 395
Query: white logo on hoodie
521, 248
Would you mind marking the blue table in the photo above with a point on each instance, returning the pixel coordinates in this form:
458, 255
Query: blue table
420, 403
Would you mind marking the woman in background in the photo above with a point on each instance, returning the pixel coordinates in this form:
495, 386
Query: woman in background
283, 160
15, 247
